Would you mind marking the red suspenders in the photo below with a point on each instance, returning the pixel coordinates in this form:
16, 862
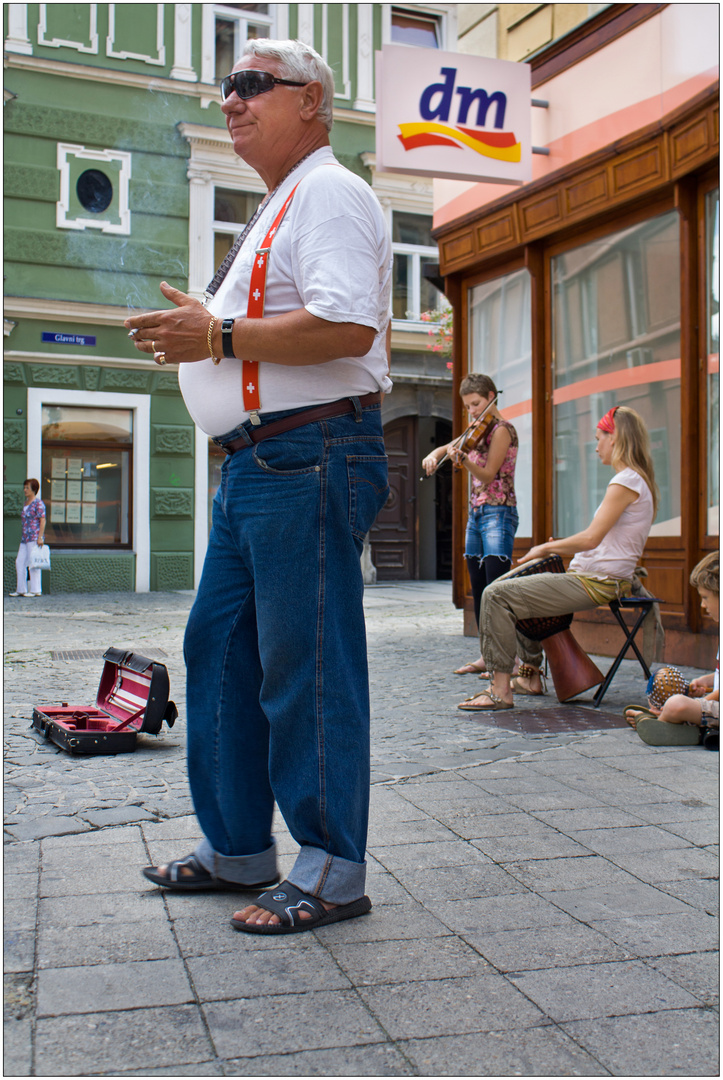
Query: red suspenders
255, 310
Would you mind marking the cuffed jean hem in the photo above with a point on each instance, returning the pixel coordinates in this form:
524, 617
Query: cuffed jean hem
328, 877
239, 869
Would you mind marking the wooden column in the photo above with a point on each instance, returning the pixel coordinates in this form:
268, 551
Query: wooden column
541, 397
691, 488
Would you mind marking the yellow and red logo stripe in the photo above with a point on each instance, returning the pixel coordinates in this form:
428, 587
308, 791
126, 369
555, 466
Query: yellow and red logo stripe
501, 145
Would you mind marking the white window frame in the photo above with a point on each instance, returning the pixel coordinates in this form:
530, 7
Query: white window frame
411, 195
444, 14
209, 13
62, 221
213, 164
414, 253
140, 404
219, 226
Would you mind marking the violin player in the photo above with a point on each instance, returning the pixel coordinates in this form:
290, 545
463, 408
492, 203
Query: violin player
488, 451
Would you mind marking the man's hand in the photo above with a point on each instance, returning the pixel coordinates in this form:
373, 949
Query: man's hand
181, 332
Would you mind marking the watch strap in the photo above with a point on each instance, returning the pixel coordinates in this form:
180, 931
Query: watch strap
227, 339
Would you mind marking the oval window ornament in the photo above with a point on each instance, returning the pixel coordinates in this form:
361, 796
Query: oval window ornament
94, 190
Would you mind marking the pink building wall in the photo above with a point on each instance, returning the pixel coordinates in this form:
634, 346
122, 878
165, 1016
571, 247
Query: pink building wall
629, 83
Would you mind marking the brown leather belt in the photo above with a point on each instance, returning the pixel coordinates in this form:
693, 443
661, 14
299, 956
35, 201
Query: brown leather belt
307, 416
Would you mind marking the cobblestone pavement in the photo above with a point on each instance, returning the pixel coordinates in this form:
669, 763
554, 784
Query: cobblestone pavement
544, 905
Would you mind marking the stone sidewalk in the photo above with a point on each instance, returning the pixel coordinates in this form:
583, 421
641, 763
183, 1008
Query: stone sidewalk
544, 905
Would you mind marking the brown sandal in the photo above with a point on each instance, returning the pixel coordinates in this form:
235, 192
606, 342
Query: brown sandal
472, 668
526, 671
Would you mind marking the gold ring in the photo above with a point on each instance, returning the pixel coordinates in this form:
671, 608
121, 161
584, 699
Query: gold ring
160, 358
153, 345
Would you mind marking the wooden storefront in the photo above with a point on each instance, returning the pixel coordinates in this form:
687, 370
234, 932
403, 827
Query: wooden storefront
667, 168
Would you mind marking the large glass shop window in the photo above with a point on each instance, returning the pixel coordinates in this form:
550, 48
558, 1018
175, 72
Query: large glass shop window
500, 346
712, 216
86, 481
616, 341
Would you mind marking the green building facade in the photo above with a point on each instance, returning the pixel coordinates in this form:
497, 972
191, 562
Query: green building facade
119, 173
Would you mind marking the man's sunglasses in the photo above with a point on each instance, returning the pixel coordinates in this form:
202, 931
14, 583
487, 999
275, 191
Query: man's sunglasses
249, 84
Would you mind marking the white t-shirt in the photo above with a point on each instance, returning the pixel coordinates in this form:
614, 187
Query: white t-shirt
331, 255
619, 552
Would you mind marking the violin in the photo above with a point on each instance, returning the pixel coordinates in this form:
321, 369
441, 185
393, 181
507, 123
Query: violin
473, 435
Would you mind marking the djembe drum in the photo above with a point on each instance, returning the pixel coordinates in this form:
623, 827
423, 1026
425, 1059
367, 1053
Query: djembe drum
571, 668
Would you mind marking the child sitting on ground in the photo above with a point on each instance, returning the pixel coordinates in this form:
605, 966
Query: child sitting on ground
699, 710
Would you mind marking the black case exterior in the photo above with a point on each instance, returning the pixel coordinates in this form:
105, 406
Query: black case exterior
86, 729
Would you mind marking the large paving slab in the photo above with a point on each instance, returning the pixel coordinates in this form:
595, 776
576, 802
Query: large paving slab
544, 901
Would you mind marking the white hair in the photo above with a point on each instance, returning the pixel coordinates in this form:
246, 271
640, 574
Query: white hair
301, 63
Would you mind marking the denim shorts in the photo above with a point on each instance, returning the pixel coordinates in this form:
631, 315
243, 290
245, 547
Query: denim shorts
490, 531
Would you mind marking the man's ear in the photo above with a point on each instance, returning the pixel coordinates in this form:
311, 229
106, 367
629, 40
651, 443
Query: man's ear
312, 96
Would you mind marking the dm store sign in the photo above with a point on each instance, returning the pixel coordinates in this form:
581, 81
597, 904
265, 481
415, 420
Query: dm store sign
451, 115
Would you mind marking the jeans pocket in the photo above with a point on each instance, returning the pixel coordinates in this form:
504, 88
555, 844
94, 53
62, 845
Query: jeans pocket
288, 456
368, 490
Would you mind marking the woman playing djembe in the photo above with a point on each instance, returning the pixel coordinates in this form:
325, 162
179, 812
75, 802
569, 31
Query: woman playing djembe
606, 555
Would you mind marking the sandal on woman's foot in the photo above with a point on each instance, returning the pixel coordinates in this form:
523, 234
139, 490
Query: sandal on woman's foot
468, 705
526, 671
197, 880
472, 668
288, 902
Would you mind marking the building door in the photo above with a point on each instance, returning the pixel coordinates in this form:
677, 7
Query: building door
394, 533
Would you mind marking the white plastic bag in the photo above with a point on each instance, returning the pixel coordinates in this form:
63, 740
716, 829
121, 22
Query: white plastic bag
40, 557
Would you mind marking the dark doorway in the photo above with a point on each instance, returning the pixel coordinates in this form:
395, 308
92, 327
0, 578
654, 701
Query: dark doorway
394, 533
443, 503
412, 535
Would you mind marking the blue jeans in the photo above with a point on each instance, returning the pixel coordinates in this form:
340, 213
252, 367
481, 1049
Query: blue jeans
490, 531
275, 648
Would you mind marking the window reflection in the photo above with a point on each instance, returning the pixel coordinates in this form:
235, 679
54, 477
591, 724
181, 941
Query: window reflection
500, 346
86, 475
712, 221
616, 341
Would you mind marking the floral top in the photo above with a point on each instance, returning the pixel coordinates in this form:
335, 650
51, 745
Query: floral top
30, 516
501, 490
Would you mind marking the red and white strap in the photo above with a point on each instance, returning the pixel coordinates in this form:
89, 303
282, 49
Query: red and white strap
255, 310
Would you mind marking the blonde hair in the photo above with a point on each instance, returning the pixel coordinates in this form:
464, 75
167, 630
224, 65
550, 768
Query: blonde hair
705, 574
631, 448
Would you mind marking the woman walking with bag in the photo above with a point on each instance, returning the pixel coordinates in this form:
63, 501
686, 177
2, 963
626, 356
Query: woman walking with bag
33, 532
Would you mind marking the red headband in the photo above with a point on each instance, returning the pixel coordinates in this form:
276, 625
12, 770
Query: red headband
608, 423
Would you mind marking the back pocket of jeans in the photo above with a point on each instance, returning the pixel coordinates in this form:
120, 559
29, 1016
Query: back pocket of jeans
368, 490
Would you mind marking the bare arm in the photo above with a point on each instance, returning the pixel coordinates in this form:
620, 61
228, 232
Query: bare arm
617, 498
432, 460
41, 533
293, 339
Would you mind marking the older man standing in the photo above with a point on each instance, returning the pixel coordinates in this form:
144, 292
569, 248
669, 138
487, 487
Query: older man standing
285, 367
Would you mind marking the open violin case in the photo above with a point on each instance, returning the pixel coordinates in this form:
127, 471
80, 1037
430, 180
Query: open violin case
132, 698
